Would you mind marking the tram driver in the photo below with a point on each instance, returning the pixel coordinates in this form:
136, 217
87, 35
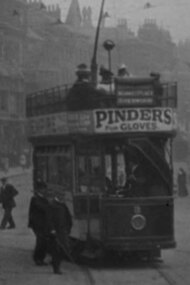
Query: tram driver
135, 178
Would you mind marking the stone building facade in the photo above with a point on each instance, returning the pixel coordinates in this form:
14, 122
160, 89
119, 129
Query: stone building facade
12, 97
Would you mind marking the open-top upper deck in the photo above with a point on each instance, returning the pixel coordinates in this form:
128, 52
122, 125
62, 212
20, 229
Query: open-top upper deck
129, 105
125, 92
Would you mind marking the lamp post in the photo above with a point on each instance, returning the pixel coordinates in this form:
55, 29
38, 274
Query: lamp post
109, 45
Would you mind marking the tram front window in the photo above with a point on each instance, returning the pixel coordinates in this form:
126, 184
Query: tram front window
136, 171
115, 170
127, 170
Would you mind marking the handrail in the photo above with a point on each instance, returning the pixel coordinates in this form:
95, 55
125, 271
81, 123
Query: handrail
53, 100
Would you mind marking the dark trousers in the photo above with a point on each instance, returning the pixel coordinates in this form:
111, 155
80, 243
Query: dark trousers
56, 253
40, 249
7, 218
59, 249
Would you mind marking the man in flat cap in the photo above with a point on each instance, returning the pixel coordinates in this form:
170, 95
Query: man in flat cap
7, 194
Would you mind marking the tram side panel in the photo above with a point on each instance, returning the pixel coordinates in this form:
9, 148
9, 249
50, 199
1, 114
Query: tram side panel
133, 224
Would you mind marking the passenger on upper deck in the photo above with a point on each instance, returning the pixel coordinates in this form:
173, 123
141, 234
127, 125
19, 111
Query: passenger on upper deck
123, 71
106, 74
106, 83
83, 73
81, 94
158, 88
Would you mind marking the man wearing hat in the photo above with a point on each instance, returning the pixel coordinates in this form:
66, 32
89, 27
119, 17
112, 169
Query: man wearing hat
38, 210
59, 223
7, 194
123, 72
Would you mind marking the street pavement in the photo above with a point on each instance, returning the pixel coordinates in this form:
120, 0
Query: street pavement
16, 246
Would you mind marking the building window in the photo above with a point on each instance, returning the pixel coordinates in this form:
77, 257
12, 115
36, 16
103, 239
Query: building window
3, 101
12, 104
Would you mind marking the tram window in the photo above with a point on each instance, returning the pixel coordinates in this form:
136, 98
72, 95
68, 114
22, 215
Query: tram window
60, 170
65, 171
95, 174
94, 165
121, 170
108, 166
81, 165
53, 164
82, 175
52, 169
168, 153
89, 174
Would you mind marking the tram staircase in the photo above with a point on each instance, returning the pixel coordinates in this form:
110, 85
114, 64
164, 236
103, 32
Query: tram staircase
154, 155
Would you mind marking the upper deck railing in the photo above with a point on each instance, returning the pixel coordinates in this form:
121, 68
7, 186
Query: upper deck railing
132, 92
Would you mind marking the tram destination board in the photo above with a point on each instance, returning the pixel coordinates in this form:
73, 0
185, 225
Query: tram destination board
103, 121
133, 95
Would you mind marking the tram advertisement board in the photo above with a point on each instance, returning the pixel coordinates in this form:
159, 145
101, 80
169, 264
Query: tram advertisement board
116, 120
61, 123
135, 120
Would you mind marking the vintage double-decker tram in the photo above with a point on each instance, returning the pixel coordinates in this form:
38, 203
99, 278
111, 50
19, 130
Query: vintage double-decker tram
109, 154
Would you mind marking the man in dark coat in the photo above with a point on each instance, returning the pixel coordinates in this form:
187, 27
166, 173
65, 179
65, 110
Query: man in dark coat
51, 222
7, 194
59, 225
37, 222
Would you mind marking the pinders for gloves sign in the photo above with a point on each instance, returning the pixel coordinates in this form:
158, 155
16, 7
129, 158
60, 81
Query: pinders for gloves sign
134, 120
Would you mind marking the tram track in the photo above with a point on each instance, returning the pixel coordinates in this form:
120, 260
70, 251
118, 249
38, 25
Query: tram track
88, 276
165, 275
169, 279
170, 275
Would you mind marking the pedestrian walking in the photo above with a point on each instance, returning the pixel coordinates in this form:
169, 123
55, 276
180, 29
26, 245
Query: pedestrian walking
182, 183
7, 194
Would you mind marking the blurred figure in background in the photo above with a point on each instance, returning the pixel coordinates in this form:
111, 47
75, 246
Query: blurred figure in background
7, 194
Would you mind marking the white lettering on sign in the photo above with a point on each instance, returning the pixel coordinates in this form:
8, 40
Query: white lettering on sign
134, 120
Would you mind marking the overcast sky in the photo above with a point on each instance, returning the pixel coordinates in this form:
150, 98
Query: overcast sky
173, 15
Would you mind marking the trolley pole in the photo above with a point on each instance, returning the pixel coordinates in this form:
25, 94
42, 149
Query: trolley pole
94, 65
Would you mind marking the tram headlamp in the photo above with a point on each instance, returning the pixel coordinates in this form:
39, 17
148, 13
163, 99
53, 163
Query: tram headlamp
138, 222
